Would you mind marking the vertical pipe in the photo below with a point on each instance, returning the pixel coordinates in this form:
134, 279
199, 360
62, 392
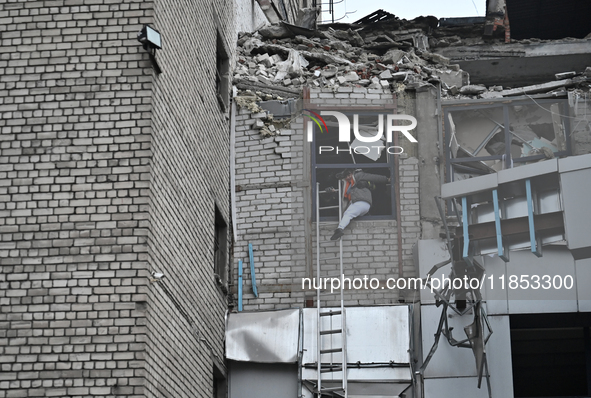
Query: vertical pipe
536, 247
233, 171
300, 352
465, 210
500, 247
343, 315
397, 176
252, 273
442, 146
319, 337
239, 285
508, 137
309, 180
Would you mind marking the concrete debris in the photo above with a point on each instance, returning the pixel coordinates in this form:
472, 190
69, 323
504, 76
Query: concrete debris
436, 58
472, 90
258, 124
264, 122
392, 56
249, 102
307, 18
565, 75
539, 88
279, 60
351, 77
452, 78
332, 57
386, 74
491, 94
277, 31
329, 72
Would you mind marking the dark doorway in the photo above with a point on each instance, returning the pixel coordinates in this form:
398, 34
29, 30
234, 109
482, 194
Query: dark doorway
551, 355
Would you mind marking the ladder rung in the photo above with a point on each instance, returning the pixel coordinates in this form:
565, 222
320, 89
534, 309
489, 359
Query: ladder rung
333, 331
332, 369
328, 207
331, 389
331, 350
330, 313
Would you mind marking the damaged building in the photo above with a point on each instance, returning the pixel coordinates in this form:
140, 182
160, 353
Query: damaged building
491, 191
168, 204
114, 208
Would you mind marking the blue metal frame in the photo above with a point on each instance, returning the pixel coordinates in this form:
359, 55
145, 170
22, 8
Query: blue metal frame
466, 249
252, 274
503, 253
239, 285
536, 247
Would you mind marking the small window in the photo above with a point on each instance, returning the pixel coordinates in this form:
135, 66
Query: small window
220, 248
222, 74
373, 158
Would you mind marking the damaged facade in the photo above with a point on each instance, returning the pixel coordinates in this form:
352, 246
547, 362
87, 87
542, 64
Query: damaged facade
500, 147
122, 250
114, 197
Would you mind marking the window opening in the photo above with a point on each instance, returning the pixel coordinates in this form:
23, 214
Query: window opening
483, 139
373, 157
222, 73
220, 247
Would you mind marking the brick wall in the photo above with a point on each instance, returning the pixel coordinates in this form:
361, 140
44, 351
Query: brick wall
274, 213
74, 167
190, 175
109, 172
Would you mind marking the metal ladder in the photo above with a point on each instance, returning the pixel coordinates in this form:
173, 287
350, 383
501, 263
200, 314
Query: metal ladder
330, 366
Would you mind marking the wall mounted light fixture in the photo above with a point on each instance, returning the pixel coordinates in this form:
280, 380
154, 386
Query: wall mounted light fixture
151, 40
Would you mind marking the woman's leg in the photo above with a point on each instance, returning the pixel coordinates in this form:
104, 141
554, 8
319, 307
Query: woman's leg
354, 210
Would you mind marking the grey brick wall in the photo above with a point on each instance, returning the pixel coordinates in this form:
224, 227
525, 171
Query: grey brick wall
107, 173
274, 210
74, 167
190, 174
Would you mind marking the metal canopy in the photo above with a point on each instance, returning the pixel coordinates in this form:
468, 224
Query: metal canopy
266, 337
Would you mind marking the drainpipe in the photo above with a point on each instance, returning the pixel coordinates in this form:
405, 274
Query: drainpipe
397, 188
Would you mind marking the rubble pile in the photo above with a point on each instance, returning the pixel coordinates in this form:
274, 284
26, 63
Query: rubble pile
277, 62
377, 52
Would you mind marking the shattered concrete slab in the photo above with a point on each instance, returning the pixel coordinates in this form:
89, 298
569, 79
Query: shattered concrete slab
339, 55
276, 62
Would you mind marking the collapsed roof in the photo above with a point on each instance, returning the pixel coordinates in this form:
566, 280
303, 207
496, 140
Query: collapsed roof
382, 51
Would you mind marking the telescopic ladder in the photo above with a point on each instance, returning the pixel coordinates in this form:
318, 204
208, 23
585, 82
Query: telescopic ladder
330, 342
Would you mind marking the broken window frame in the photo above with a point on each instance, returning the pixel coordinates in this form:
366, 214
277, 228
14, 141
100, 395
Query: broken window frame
504, 103
388, 165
